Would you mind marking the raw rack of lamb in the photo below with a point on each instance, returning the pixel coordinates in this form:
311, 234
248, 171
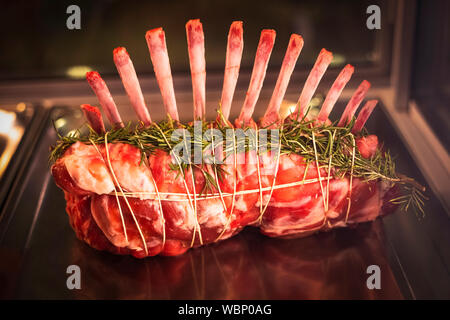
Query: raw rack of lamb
128, 192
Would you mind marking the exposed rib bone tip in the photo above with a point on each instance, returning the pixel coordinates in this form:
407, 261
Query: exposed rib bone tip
156, 42
268, 36
194, 23
156, 39
233, 58
155, 30
268, 31
263, 52
366, 84
296, 40
130, 82
354, 102
312, 82
92, 75
364, 115
120, 55
236, 26
335, 91
272, 117
104, 97
120, 51
94, 118
196, 50
349, 68
326, 55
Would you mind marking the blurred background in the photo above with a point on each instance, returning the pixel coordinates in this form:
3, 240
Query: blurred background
41, 45
407, 61
411, 47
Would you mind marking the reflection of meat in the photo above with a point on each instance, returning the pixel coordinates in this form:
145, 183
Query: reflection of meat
327, 266
218, 272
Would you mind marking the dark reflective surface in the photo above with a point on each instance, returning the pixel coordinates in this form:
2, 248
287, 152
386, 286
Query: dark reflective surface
37, 245
248, 266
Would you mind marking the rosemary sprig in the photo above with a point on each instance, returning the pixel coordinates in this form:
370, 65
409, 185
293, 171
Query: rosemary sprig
332, 147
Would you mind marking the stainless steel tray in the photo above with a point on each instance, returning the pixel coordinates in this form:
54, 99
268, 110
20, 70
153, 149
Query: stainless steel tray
37, 245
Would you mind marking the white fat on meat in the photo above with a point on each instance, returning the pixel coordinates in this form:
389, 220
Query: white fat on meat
181, 214
87, 169
289, 161
240, 204
108, 222
132, 175
267, 163
291, 204
289, 224
135, 243
339, 188
154, 242
211, 213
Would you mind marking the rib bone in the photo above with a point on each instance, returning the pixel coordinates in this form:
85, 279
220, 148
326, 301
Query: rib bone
104, 97
131, 83
232, 64
316, 74
196, 48
263, 52
293, 51
156, 41
354, 103
335, 92
363, 115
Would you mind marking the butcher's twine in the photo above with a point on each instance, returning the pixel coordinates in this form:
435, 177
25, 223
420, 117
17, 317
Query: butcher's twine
194, 197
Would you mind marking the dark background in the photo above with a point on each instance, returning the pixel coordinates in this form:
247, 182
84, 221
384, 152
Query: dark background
38, 44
